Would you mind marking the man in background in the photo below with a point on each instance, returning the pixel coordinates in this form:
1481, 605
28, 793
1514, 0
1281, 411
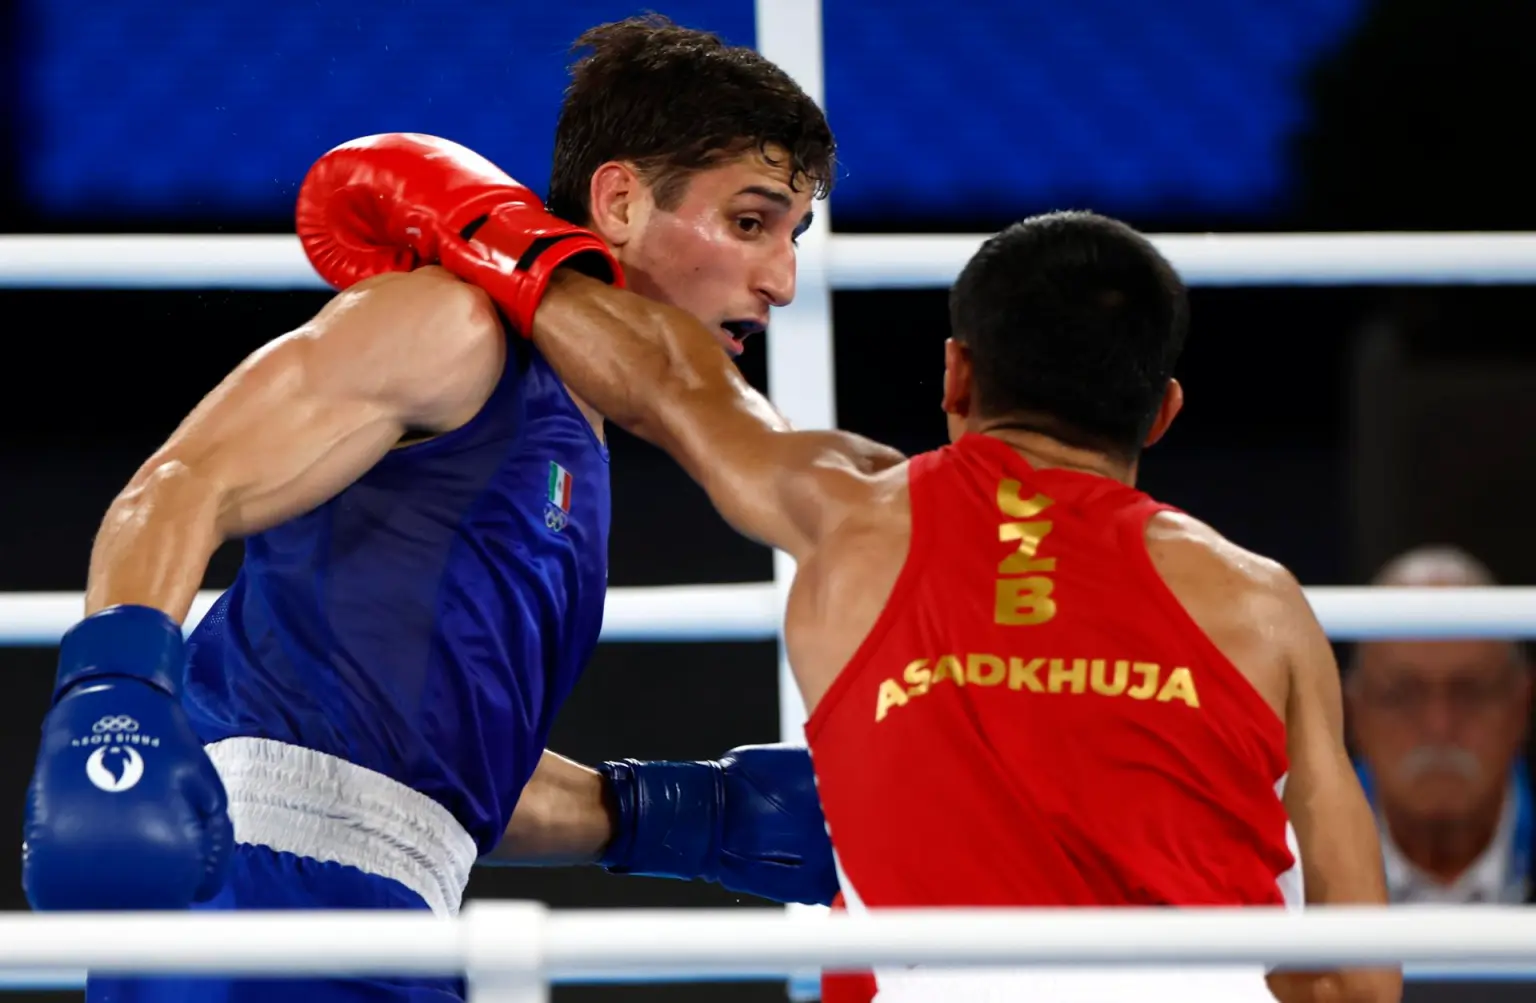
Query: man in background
1440, 730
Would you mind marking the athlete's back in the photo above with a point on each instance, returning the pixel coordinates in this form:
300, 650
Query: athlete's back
1035, 700
1033, 682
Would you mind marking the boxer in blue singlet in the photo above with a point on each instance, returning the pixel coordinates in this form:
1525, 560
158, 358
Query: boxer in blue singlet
362, 715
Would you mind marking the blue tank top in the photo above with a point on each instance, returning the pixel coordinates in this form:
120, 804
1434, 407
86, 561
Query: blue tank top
428, 621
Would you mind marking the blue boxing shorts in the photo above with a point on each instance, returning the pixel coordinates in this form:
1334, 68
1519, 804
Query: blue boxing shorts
316, 832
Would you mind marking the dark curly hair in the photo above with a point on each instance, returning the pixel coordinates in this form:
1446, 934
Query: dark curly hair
674, 101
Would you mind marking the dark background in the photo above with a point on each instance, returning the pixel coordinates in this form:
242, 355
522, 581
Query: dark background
1327, 428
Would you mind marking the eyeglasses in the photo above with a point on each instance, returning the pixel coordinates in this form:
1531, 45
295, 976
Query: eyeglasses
1464, 697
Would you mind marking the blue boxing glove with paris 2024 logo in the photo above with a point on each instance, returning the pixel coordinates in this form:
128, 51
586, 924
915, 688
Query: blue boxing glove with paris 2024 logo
125, 810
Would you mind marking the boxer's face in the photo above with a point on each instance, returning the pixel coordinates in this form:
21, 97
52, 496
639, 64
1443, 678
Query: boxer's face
1439, 722
724, 252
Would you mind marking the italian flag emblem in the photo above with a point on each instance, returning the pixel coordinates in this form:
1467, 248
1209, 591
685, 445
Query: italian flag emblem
559, 487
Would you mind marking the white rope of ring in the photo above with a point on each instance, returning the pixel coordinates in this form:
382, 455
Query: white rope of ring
527, 946
852, 261
749, 612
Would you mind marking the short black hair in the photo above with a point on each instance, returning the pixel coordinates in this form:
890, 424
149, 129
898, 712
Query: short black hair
1074, 322
674, 101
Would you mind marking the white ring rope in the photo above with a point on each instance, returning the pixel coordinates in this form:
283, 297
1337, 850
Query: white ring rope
524, 939
749, 612
853, 261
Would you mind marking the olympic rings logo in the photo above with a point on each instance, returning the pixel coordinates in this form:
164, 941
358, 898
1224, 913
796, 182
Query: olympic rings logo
114, 723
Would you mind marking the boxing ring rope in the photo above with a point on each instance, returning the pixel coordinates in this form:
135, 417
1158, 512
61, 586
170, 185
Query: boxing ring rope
512, 951
750, 612
851, 261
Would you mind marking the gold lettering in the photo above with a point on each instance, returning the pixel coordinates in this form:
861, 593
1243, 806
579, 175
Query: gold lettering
984, 670
1148, 685
890, 695
1022, 601
1180, 686
1024, 675
1010, 503
918, 676
1029, 535
1110, 689
949, 667
1074, 676
1137, 680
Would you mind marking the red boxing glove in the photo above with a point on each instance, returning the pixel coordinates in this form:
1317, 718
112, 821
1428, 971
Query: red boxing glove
397, 201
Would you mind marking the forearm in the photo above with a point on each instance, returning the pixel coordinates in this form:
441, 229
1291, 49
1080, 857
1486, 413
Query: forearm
563, 817
659, 374
1340, 846
640, 364
154, 544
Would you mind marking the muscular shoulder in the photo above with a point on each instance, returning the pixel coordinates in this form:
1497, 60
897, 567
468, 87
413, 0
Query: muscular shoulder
1186, 549
877, 500
835, 481
423, 341
1246, 603
873, 460
868, 543
429, 307
842, 587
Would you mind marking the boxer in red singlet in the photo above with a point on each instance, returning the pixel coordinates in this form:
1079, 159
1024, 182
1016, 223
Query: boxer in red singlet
1030, 684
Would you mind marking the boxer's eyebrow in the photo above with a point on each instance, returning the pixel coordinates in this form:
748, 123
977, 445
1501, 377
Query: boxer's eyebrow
781, 200
771, 194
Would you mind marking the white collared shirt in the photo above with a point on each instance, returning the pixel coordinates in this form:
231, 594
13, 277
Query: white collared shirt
1487, 880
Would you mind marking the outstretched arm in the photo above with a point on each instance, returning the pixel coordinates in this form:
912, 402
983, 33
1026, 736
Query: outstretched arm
751, 821
295, 423
658, 373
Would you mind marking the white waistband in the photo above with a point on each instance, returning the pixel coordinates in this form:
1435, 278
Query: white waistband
296, 800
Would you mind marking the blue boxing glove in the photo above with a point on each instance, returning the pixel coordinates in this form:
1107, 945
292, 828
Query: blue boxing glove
125, 810
751, 822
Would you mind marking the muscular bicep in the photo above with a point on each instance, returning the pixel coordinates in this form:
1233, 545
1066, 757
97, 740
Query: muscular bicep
310, 412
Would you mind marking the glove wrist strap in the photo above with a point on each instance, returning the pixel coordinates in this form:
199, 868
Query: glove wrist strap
518, 285
138, 642
668, 819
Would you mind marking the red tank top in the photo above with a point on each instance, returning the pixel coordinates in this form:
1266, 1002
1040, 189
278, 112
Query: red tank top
1034, 720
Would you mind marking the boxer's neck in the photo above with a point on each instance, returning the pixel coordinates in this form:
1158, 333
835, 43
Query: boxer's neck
1445, 849
1043, 452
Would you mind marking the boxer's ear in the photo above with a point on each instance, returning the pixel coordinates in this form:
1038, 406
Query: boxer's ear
957, 379
619, 203
1173, 403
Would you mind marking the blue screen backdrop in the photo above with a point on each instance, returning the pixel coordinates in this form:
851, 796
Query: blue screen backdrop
179, 110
